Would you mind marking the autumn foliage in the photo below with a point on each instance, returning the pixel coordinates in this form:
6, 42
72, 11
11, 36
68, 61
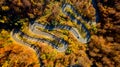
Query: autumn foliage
102, 51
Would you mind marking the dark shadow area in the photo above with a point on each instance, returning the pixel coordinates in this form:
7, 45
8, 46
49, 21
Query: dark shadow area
12, 20
94, 2
93, 63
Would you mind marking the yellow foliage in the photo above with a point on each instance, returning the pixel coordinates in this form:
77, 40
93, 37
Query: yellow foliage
6, 64
5, 8
33, 2
2, 21
65, 37
31, 15
4, 31
43, 56
69, 23
5, 18
43, 18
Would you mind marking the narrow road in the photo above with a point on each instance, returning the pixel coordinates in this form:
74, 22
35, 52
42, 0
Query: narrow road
14, 35
83, 40
56, 40
73, 30
35, 30
16, 38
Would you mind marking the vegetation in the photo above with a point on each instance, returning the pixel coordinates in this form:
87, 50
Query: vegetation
102, 51
12, 54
